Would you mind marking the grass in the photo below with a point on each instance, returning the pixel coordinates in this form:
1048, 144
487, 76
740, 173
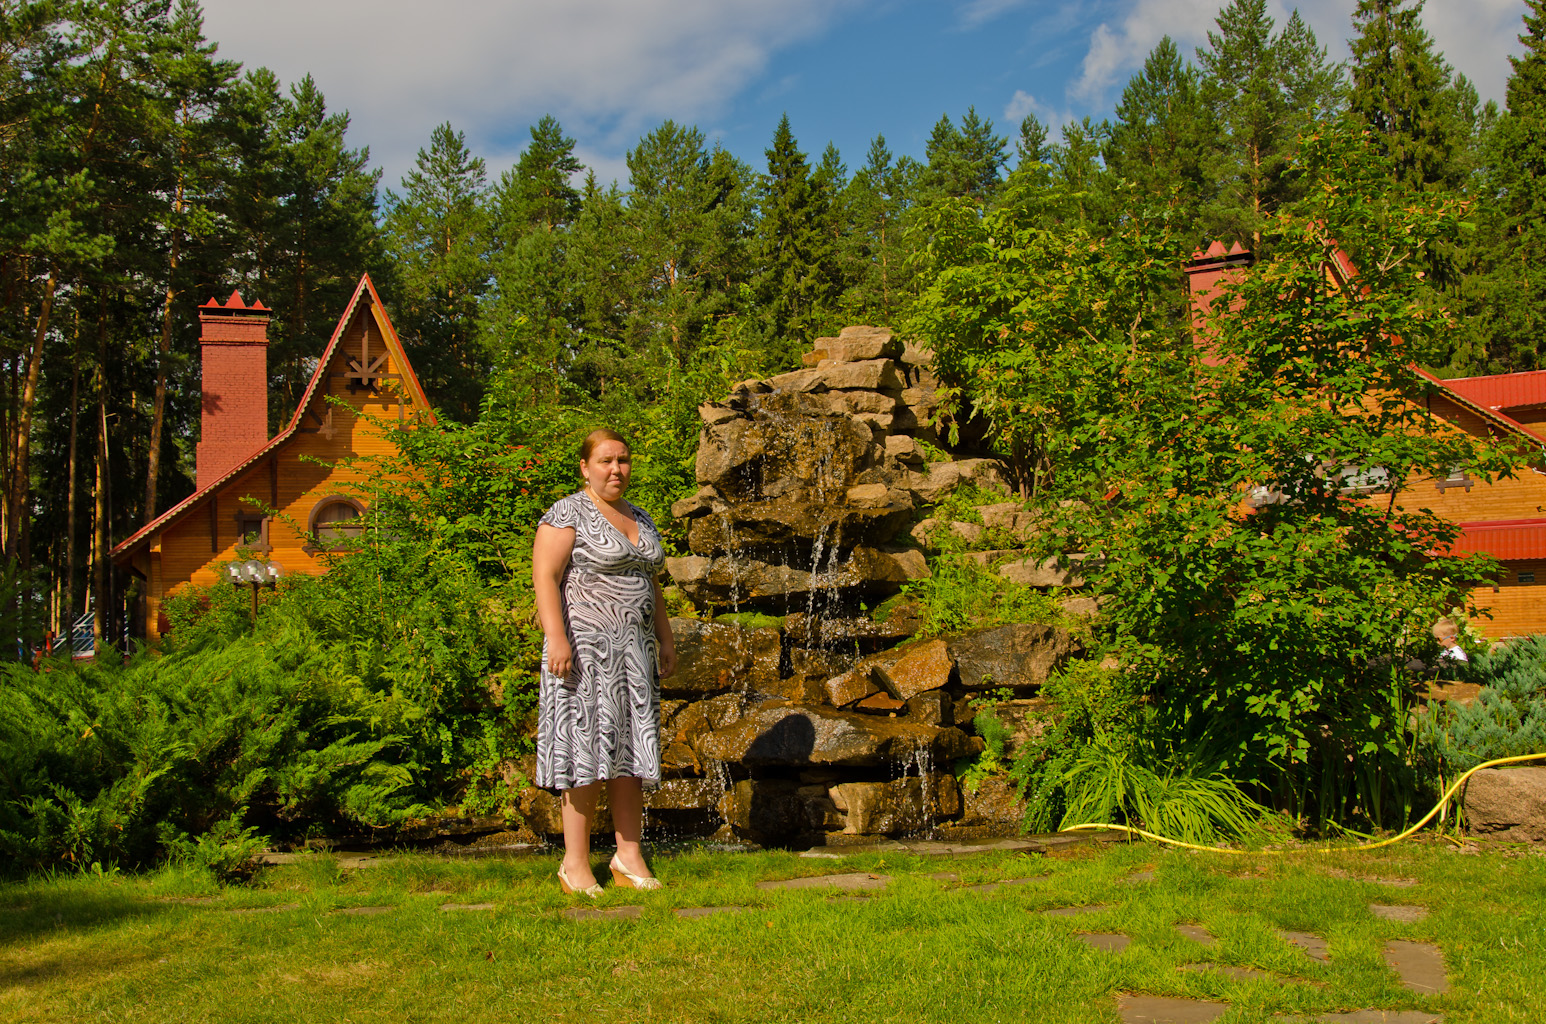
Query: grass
123, 948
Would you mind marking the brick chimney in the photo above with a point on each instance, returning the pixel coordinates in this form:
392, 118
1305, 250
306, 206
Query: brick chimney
234, 342
1207, 272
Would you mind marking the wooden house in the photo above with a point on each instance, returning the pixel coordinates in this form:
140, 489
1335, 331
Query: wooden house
287, 498
1502, 517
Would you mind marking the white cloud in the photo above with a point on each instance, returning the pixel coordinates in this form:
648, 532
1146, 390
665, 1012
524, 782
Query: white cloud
605, 67
1475, 36
1023, 103
976, 13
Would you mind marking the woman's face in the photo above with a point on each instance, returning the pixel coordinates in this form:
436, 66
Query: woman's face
607, 470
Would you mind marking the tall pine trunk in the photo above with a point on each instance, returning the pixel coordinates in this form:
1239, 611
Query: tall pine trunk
163, 353
70, 610
21, 442
100, 535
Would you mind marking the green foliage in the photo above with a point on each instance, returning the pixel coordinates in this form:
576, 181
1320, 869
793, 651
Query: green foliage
960, 594
1506, 719
1178, 794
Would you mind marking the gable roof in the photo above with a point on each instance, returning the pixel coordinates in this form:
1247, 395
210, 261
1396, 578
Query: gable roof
1526, 390
365, 291
1490, 413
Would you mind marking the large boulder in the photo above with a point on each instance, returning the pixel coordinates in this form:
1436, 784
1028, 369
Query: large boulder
992, 801
812, 735
1507, 803
779, 449
923, 666
800, 518
900, 805
1017, 655
727, 580
713, 658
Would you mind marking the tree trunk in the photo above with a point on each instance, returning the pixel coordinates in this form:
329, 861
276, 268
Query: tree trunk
71, 612
101, 622
163, 353
21, 486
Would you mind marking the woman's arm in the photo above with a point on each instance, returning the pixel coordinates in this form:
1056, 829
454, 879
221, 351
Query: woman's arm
549, 558
665, 641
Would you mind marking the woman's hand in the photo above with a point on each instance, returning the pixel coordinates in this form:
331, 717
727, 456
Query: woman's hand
560, 657
667, 661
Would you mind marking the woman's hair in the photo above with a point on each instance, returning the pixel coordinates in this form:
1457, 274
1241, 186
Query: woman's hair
597, 436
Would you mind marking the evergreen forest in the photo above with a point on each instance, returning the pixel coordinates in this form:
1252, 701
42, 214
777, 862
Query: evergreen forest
141, 173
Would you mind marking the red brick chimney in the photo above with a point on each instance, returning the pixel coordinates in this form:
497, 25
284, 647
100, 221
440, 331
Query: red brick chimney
1207, 272
234, 341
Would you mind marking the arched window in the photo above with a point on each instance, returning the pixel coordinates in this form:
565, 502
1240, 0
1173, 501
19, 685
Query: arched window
336, 522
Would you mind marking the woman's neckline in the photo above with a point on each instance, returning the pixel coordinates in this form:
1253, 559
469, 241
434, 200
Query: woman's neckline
596, 504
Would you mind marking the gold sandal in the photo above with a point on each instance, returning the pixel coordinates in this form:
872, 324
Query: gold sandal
628, 880
593, 890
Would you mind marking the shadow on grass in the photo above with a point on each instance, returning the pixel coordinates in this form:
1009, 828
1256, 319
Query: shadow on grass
31, 911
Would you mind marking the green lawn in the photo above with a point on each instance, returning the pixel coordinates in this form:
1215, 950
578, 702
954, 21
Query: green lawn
123, 949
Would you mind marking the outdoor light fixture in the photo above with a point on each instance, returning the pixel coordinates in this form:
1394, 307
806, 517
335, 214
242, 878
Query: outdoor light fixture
254, 573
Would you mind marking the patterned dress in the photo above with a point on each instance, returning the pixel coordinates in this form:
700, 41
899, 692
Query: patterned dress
603, 722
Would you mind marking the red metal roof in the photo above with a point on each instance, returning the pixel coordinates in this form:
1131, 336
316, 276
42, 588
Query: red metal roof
1503, 390
1503, 539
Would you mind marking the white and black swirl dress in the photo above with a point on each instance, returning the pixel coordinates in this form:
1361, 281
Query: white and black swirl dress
603, 722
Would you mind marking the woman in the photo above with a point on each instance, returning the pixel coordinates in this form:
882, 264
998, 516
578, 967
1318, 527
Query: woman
593, 567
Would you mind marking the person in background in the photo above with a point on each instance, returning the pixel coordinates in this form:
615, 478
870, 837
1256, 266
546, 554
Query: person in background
1447, 633
607, 643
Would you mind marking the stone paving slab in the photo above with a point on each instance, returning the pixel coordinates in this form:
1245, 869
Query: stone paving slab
1109, 942
821, 855
1197, 934
945, 876
693, 913
1313, 946
279, 909
1168, 1010
853, 880
1088, 908
191, 901
602, 913
1243, 973
467, 906
1138, 878
364, 911
994, 886
1404, 913
1369, 1017
1420, 965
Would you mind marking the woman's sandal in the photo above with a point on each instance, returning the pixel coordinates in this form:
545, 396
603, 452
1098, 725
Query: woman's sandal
623, 877
593, 890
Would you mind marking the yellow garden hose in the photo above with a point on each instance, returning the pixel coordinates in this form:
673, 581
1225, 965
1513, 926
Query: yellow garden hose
1443, 800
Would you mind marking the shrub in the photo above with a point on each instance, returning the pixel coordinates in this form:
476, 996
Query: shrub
1506, 719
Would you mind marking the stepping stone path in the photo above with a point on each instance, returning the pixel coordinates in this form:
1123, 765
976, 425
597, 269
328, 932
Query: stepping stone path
945, 876
266, 910
1167, 1010
1071, 911
822, 855
691, 913
365, 911
992, 886
855, 880
603, 913
1243, 973
1313, 946
467, 906
1110, 942
1370, 1017
1420, 965
1197, 934
1406, 914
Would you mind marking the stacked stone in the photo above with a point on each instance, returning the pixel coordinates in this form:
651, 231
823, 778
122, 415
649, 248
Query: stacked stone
832, 726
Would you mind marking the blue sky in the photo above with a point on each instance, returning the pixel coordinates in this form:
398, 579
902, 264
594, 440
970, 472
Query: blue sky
844, 70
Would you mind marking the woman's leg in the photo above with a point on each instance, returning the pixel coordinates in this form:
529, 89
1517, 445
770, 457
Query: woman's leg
626, 798
578, 807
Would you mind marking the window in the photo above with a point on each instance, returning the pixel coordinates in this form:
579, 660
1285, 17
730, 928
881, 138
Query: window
335, 522
1527, 577
252, 532
1364, 479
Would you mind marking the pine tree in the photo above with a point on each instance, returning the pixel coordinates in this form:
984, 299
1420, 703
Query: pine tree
964, 162
873, 251
1261, 90
538, 193
1401, 91
1031, 145
1513, 293
1159, 138
438, 233
798, 279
